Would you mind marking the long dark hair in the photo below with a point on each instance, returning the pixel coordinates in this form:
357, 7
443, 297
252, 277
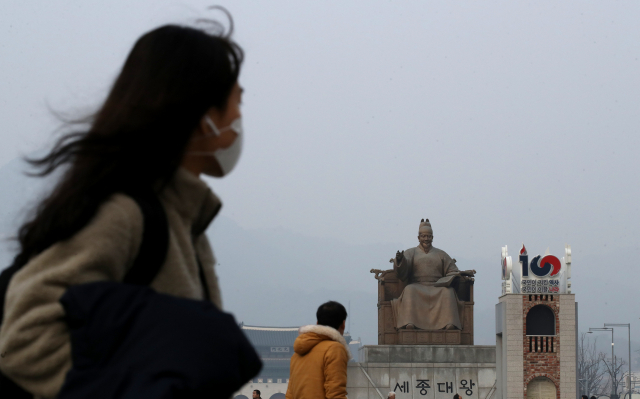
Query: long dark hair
137, 138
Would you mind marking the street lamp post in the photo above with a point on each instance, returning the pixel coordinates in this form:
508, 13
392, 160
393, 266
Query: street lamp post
614, 393
628, 325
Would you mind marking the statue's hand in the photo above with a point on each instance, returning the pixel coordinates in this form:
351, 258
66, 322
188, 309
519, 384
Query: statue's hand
399, 256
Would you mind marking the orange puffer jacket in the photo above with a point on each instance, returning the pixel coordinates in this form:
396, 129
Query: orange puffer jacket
319, 364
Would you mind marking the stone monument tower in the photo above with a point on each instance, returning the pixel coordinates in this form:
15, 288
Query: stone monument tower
536, 329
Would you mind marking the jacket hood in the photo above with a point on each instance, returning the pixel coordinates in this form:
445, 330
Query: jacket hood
313, 334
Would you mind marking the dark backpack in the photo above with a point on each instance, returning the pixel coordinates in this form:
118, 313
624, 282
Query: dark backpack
151, 256
129, 342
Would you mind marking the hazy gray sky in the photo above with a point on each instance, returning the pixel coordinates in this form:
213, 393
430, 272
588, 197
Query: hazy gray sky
501, 121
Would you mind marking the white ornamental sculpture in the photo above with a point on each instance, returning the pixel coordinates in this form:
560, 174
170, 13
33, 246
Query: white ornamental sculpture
506, 271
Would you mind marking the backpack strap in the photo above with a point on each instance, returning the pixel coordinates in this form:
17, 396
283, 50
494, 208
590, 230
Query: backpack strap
155, 240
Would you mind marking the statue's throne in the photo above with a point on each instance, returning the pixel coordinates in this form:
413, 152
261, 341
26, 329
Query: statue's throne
390, 287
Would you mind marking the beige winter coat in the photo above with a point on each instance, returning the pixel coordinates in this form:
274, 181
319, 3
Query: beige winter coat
34, 339
319, 364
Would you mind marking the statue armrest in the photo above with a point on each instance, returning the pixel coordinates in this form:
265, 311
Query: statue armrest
464, 288
389, 285
381, 274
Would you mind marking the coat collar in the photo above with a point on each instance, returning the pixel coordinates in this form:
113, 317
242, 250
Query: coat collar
192, 198
327, 331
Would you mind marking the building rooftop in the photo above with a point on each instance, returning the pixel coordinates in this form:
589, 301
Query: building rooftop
270, 336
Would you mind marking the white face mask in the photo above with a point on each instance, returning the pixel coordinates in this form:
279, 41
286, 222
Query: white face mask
227, 157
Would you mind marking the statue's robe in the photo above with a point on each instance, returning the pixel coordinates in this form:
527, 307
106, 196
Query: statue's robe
428, 301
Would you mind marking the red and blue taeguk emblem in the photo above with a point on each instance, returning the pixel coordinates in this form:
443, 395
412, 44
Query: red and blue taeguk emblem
545, 266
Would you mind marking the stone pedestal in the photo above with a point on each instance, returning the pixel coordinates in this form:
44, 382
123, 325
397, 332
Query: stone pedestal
423, 371
428, 337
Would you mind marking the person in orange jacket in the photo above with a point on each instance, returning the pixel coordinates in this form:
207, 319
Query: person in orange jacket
319, 363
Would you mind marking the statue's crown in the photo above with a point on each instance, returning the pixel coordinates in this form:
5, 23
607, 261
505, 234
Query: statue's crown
424, 223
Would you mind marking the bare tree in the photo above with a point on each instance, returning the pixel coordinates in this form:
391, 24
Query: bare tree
615, 377
591, 371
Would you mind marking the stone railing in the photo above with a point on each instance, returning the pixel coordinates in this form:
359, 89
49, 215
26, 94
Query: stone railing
542, 343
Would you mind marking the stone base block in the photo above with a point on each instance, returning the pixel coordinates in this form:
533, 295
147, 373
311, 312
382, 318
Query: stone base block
423, 371
426, 337
428, 354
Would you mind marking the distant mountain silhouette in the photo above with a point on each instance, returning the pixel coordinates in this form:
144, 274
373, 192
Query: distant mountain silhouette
268, 277
278, 277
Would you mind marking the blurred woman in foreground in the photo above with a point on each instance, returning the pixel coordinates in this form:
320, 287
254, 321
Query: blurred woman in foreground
172, 114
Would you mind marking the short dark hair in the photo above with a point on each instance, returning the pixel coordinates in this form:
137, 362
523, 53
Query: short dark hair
331, 314
456, 396
257, 390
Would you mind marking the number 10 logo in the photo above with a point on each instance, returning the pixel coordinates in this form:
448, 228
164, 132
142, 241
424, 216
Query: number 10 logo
546, 266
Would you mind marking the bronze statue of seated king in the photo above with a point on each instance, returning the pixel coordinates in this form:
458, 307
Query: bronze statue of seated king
435, 295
